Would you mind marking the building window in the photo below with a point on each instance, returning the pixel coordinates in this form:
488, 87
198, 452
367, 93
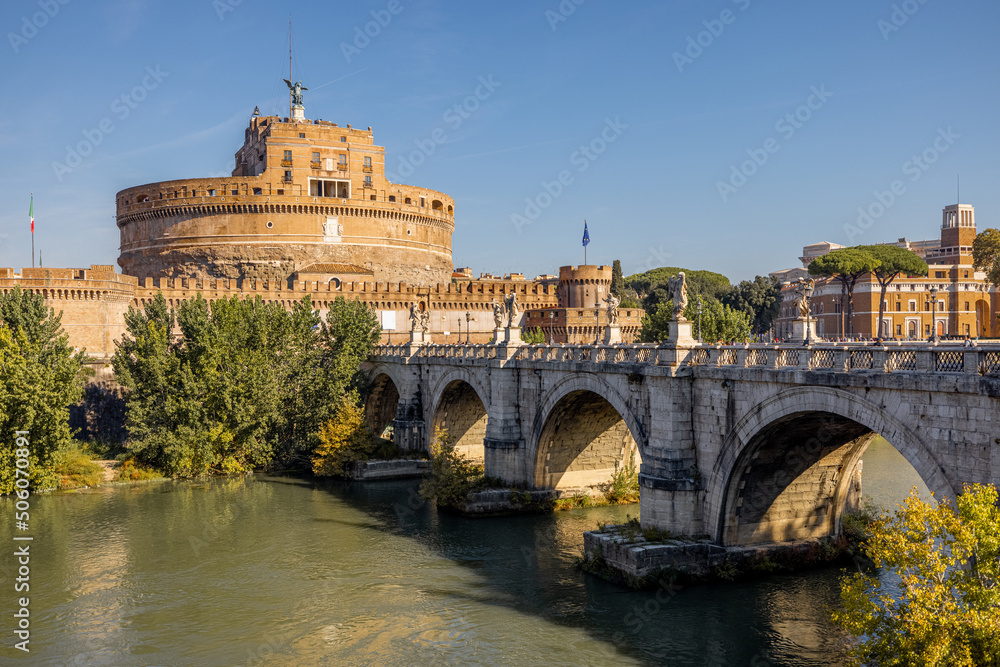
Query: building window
343, 140
927, 330
899, 329
392, 198
258, 191
288, 155
302, 135
966, 274
342, 158
422, 201
899, 306
315, 156
372, 197
211, 192
368, 161
913, 306
966, 305
407, 201
939, 274
288, 175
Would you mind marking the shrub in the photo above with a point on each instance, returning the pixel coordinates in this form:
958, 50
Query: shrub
76, 470
343, 440
453, 477
624, 485
129, 471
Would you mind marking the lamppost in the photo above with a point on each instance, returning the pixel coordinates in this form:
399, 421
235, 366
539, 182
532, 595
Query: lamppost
552, 324
459, 329
699, 320
808, 291
468, 326
934, 291
597, 331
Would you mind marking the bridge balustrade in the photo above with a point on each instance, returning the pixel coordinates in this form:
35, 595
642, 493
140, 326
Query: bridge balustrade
837, 357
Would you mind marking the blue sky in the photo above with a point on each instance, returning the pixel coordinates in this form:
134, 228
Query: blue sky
719, 135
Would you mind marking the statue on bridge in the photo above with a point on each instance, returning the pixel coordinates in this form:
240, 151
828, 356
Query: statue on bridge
512, 310
612, 302
803, 288
499, 311
415, 317
678, 293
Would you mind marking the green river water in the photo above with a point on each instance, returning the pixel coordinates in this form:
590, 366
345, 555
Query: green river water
291, 571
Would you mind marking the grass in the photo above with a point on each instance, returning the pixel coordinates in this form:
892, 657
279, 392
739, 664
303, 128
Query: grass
77, 470
128, 471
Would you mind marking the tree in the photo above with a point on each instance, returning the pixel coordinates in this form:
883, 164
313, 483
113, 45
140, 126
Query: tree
760, 299
617, 280
533, 336
846, 265
986, 255
704, 283
343, 440
946, 559
718, 322
893, 261
40, 377
245, 385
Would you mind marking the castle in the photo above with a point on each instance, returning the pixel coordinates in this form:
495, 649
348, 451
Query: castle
308, 210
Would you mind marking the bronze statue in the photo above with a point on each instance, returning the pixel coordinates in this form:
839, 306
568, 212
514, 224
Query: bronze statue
296, 90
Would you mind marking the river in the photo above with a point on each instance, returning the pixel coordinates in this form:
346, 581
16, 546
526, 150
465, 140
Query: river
266, 570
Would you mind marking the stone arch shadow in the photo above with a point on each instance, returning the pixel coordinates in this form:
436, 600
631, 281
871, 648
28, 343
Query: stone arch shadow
582, 433
381, 403
787, 468
460, 405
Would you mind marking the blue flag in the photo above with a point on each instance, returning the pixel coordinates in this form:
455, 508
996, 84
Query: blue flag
586, 234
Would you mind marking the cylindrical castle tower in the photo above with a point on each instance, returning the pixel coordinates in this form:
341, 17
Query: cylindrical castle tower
303, 194
584, 286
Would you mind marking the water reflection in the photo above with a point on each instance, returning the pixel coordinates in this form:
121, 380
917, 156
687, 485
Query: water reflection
285, 571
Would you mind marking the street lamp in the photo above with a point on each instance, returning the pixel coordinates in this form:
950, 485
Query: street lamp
468, 326
597, 332
699, 320
552, 324
459, 329
808, 292
934, 291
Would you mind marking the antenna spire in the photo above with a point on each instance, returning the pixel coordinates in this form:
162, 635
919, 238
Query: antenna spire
290, 61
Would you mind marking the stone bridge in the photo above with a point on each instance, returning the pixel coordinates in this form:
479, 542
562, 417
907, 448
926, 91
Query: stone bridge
744, 444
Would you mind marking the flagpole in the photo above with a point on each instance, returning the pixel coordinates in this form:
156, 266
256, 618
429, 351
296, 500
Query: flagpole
31, 212
584, 246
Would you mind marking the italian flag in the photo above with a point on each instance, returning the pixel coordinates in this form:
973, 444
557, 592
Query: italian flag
31, 213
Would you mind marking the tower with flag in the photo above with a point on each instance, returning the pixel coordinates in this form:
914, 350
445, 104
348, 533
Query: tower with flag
586, 241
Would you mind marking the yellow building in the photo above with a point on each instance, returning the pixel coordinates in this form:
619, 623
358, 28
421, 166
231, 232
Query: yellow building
963, 303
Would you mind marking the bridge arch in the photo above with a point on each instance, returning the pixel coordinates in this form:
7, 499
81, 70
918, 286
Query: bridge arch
382, 403
786, 469
582, 433
461, 407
